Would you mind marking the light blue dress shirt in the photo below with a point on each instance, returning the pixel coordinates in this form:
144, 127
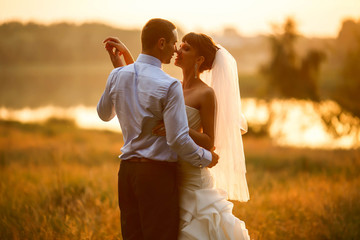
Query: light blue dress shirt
142, 95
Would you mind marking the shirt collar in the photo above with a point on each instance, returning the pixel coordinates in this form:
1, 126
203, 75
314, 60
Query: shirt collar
144, 58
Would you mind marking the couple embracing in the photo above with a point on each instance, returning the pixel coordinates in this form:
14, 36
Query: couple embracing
165, 185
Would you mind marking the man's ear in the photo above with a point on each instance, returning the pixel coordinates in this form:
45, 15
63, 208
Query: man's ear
161, 43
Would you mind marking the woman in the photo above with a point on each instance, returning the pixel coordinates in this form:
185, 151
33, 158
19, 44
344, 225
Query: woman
214, 117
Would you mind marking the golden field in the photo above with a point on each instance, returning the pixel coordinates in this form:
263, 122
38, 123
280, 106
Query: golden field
60, 182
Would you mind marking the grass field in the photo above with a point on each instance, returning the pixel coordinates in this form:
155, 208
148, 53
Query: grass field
59, 182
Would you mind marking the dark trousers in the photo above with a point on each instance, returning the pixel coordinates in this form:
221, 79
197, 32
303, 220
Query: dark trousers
148, 201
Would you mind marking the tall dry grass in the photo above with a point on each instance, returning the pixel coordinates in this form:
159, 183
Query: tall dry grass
301, 193
59, 182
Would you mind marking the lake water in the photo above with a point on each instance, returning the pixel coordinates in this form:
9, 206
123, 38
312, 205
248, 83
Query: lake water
297, 123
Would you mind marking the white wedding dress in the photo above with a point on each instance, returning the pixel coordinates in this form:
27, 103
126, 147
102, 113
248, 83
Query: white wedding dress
205, 213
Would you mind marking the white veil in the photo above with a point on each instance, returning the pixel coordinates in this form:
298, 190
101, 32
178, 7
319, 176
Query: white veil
229, 173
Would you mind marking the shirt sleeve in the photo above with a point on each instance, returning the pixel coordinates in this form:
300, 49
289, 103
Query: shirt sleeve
105, 106
177, 130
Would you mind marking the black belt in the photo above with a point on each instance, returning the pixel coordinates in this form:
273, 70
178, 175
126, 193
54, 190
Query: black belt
146, 160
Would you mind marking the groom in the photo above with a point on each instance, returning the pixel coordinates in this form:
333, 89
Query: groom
142, 95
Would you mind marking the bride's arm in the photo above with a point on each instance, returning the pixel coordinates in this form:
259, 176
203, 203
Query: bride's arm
206, 138
116, 49
201, 139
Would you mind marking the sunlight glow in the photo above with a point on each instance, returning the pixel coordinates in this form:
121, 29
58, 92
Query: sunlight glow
298, 123
294, 123
84, 117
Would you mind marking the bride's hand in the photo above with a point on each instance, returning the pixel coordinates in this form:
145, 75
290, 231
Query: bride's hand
113, 44
214, 160
159, 130
116, 49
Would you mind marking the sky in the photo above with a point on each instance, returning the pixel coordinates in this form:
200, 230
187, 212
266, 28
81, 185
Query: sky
317, 18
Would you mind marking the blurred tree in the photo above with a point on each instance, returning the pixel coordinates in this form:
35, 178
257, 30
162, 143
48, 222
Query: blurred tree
230, 31
347, 38
347, 92
308, 75
60, 42
289, 76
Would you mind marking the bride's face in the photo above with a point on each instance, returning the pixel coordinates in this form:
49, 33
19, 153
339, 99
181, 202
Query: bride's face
186, 56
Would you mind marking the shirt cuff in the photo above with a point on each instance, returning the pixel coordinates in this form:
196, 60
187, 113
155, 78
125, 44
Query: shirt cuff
207, 159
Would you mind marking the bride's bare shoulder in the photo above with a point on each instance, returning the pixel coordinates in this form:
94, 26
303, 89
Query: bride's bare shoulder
206, 88
207, 93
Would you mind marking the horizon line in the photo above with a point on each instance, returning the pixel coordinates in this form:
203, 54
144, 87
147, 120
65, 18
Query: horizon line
179, 26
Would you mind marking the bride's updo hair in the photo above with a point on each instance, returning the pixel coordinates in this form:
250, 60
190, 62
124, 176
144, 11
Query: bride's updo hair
205, 47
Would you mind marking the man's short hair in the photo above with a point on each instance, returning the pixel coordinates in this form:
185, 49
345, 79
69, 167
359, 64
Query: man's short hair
155, 29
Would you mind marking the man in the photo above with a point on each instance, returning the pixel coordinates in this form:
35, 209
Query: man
142, 95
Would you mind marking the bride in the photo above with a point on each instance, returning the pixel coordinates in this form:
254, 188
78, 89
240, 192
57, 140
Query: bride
213, 108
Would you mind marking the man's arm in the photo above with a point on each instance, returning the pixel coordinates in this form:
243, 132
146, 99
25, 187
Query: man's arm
177, 131
105, 106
